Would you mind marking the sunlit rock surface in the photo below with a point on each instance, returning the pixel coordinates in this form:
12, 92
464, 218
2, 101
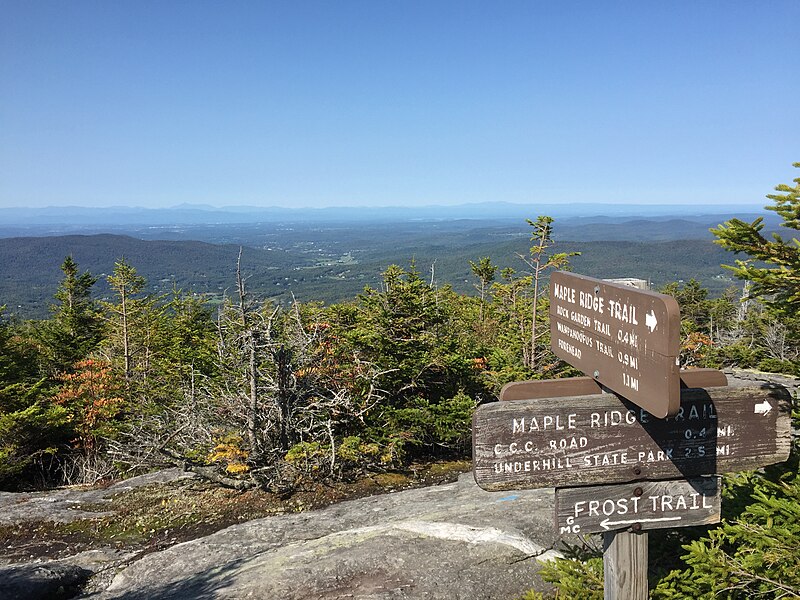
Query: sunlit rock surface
449, 541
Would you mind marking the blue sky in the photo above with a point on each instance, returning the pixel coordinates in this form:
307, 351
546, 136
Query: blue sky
307, 104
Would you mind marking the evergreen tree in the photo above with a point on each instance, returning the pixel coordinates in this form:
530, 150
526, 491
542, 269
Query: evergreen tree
127, 317
696, 331
507, 358
779, 281
402, 325
485, 271
30, 427
724, 316
407, 330
76, 327
91, 396
539, 261
189, 344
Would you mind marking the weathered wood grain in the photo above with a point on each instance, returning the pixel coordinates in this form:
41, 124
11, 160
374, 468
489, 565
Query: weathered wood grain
641, 506
625, 566
600, 439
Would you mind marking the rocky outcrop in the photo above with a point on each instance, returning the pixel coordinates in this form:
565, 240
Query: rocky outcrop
443, 542
67, 578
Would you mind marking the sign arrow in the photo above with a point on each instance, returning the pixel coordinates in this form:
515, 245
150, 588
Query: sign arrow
763, 408
607, 523
651, 321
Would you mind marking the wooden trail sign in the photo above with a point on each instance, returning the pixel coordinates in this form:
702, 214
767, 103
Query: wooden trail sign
644, 505
586, 440
625, 338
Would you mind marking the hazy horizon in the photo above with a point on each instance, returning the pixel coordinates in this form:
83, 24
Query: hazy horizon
630, 208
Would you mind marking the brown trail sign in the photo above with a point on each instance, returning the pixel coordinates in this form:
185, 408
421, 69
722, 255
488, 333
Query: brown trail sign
643, 505
625, 338
564, 433
585, 440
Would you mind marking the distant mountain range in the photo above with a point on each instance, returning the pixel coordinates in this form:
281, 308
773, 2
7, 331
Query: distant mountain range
62, 219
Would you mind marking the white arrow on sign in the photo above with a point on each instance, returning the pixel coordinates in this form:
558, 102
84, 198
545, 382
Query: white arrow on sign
763, 408
607, 523
651, 321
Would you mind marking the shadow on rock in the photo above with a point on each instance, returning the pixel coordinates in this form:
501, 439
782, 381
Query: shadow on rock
47, 581
198, 585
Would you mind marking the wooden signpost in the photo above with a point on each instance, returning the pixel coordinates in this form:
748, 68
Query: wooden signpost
645, 456
588, 440
625, 338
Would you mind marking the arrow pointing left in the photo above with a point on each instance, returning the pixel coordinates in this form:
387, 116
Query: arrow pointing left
607, 523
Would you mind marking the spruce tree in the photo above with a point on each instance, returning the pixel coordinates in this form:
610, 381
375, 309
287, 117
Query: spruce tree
76, 327
485, 271
30, 426
540, 260
127, 312
779, 281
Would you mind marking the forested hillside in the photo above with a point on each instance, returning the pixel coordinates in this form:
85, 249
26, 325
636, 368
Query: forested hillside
29, 267
334, 264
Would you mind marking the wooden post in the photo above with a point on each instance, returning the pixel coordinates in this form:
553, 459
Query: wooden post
625, 565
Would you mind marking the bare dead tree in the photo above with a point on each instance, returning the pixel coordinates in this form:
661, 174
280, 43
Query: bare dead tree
284, 389
777, 341
252, 340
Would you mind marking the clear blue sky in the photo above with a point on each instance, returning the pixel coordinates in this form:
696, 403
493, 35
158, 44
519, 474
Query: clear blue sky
294, 103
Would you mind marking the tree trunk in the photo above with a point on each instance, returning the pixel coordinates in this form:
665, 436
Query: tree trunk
252, 363
252, 417
126, 351
282, 357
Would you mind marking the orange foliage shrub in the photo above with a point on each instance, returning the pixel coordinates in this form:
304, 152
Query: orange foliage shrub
91, 394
